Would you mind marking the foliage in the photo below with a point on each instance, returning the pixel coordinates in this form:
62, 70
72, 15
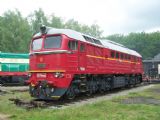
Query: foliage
37, 19
14, 32
93, 30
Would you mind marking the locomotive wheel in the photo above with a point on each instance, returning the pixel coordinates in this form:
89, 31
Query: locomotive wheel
70, 95
102, 91
1, 82
89, 93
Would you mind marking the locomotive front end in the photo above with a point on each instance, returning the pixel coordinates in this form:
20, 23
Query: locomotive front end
48, 75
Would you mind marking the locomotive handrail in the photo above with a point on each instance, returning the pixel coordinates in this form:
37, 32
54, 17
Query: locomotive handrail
40, 71
50, 52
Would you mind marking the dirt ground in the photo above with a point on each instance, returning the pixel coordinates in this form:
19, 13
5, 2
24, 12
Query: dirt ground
4, 117
141, 100
155, 90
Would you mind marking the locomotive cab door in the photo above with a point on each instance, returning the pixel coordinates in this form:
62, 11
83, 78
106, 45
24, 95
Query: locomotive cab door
73, 57
82, 56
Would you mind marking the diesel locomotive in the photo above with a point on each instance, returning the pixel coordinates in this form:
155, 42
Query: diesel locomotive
65, 63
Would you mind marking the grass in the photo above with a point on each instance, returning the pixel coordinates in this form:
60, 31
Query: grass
104, 110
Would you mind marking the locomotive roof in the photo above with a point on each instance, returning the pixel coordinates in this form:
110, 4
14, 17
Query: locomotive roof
86, 38
118, 47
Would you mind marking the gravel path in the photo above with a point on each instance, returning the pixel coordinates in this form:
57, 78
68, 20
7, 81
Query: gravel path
107, 96
4, 117
18, 88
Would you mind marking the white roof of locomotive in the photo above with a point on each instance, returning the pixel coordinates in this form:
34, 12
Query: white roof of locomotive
80, 36
70, 33
119, 47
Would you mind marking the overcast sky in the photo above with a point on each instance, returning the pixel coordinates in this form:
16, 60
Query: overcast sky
113, 16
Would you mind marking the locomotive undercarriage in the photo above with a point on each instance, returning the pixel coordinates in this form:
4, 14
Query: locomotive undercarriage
13, 80
44, 91
90, 84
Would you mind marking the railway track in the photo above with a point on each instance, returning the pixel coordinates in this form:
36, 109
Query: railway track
79, 100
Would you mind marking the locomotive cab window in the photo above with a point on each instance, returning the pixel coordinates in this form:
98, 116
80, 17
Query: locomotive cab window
82, 47
73, 45
117, 55
112, 54
52, 42
122, 56
37, 44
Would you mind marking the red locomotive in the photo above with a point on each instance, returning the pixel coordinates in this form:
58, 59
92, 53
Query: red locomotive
66, 63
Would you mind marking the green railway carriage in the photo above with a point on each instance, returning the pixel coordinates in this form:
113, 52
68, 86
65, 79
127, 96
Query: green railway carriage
13, 68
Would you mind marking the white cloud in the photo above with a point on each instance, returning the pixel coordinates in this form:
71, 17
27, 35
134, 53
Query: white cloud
153, 30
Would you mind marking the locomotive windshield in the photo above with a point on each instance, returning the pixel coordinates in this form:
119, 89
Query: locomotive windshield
37, 44
52, 42
49, 42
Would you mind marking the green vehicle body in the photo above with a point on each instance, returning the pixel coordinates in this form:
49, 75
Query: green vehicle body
13, 67
14, 62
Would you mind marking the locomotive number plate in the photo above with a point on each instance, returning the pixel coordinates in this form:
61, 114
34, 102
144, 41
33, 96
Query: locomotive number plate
41, 65
41, 75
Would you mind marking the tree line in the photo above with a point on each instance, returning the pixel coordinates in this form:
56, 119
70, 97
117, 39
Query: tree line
16, 32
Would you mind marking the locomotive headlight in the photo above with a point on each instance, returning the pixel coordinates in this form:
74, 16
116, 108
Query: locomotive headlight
29, 74
52, 90
58, 75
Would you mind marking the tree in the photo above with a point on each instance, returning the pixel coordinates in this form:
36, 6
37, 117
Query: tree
15, 32
56, 22
93, 30
72, 24
37, 19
